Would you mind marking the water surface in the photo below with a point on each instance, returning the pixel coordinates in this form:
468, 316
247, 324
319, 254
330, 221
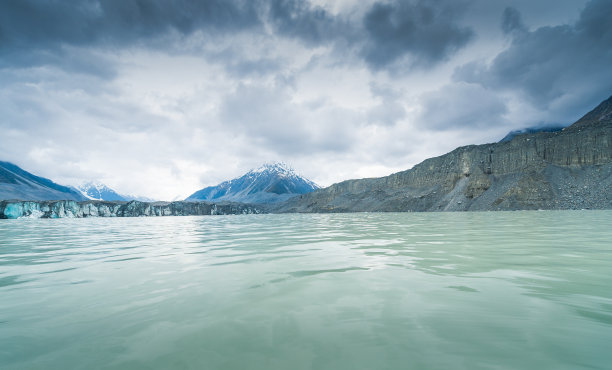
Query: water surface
494, 290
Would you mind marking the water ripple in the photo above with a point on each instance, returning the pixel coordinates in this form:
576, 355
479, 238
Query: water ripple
436, 290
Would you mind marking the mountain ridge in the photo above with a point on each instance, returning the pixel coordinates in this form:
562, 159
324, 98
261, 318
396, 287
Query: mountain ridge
17, 183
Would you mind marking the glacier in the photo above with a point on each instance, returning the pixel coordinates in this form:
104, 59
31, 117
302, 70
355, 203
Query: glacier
14, 209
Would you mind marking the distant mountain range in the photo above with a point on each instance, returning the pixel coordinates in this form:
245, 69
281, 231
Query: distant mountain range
16, 183
271, 183
97, 191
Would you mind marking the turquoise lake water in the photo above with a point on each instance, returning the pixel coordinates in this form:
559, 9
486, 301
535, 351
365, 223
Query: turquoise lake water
494, 290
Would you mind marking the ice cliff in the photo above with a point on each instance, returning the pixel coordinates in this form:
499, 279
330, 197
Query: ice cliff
70, 208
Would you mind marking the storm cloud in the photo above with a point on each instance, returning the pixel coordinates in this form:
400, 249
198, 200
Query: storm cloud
453, 107
60, 33
423, 31
309, 23
47, 24
39, 33
562, 67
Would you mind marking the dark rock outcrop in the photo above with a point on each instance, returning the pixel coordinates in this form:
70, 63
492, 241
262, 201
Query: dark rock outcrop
568, 169
69, 208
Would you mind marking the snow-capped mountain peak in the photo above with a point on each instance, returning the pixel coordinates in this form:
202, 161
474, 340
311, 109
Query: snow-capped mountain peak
270, 183
282, 170
278, 167
97, 191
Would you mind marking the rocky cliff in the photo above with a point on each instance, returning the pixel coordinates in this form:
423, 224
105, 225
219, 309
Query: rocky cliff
69, 208
568, 169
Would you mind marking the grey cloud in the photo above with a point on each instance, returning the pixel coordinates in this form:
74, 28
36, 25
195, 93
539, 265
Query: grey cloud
563, 68
239, 63
64, 58
36, 23
462, 105
44, 33
41, 32
57, 112
390, 109
248, 67
268, 117
312, 24
385, 91
61, 33
424, 31
512, 21
263, 113
387, 113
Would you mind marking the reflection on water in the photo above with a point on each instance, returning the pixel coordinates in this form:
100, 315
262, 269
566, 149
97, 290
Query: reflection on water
351, 291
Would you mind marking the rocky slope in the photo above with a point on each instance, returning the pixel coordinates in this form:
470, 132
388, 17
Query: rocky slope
68, 208
568, 169
16, 183
271, 183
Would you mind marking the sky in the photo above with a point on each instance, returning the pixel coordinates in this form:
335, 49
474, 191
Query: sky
162, 98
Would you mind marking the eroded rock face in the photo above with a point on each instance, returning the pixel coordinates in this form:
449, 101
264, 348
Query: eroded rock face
70, 208
568, 169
